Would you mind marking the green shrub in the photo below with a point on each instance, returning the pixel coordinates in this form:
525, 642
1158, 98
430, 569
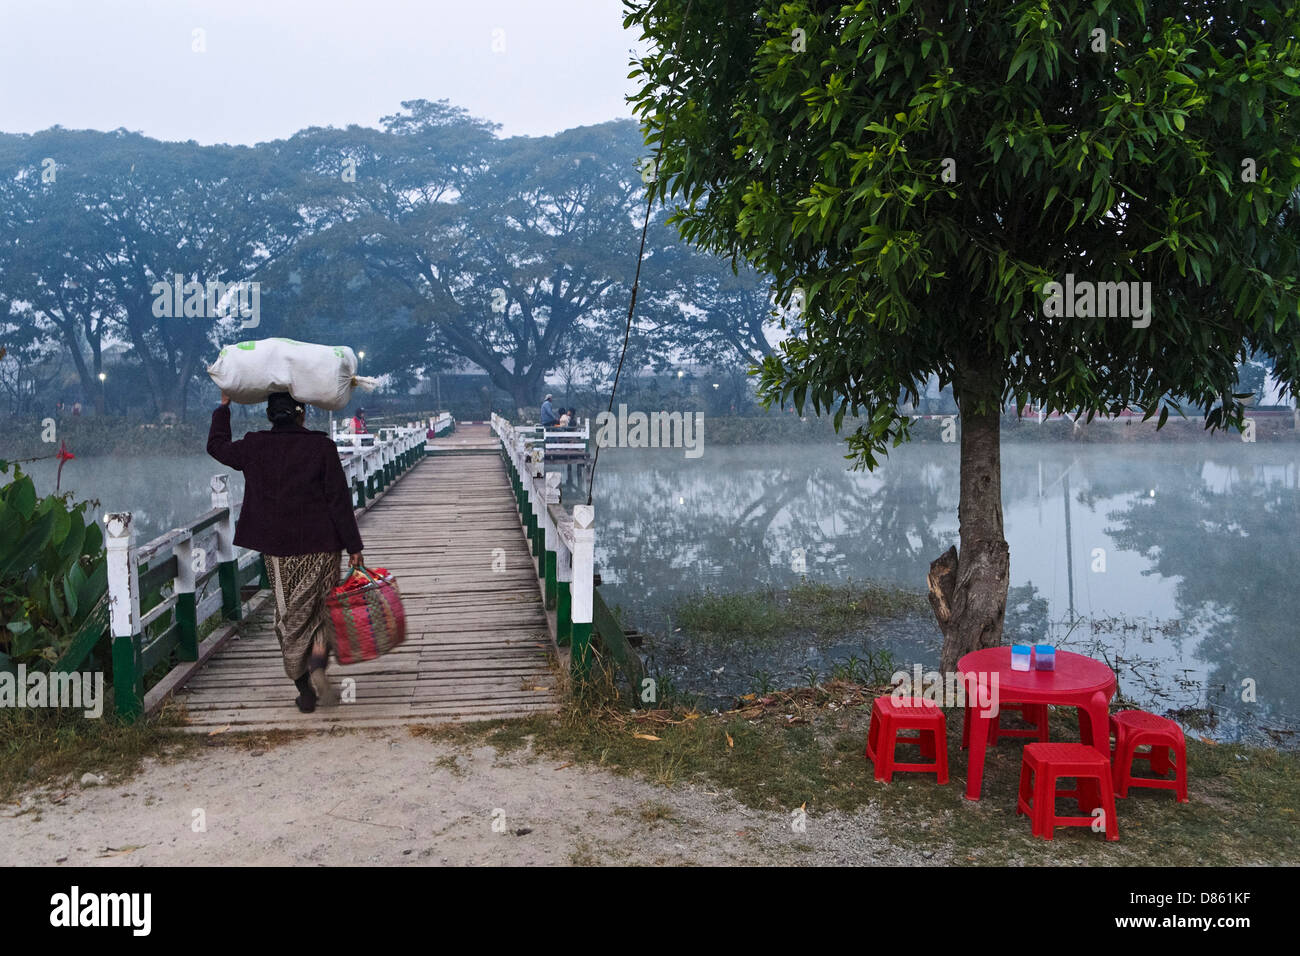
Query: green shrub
53, 572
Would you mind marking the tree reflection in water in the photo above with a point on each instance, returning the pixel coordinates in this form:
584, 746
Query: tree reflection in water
1191, 594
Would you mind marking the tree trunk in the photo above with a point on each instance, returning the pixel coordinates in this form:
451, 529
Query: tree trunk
968, 591
525, 401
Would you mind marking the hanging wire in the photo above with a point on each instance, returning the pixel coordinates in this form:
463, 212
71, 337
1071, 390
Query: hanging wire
640, 256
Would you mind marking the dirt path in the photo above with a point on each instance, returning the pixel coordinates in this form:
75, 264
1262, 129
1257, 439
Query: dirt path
389, 798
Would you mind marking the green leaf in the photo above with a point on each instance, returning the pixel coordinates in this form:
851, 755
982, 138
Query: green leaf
56, 606
70, 593
1018, 59
28, 549
94, 542
22, 497
74, 539
94, 587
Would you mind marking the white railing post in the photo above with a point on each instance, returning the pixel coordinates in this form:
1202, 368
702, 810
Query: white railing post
123, 576
518, 456
551, 490
583, 588
227, 566
537, 506
186, 610
124, 612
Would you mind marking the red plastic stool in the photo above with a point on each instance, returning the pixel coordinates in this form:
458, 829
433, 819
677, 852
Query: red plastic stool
1047, 763
1034, 714
888, 717
1134, 728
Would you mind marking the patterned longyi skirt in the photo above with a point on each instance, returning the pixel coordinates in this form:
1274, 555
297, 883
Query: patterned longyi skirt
301, 583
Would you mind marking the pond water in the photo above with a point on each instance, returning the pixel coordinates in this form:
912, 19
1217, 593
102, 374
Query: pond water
161, 492
1175, 563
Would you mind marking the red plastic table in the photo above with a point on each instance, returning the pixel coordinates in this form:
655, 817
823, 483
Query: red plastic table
1078, 681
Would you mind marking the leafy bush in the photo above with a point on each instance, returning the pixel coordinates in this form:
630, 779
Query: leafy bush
53, 572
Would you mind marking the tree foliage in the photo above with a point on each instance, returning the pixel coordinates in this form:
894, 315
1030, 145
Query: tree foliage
923, 177
824, 166
52, 571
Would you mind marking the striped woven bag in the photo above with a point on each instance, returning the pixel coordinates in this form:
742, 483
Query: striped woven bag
367, 615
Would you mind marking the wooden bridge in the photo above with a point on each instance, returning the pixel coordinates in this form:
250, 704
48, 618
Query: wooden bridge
497, 580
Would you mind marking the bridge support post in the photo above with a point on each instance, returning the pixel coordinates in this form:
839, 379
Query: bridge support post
124, 614
564, 597
552, 544
357, 471
537, 496
521, 456
584, 552
228, 565
187, 624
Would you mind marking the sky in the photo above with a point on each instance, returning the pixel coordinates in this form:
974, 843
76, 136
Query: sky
268, 68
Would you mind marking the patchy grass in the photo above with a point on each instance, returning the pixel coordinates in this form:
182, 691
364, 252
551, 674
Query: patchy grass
825, 609
654, 813
49, 748
806, 748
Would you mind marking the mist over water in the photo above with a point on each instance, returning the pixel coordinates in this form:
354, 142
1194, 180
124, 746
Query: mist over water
1176, 563
1198, 543
161, 492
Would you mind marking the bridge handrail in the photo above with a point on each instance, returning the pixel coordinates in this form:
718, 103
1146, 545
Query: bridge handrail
557, 438
564, 545
172, 567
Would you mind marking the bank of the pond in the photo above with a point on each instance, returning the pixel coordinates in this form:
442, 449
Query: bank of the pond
41, 748
717, 646
803, 750
779, 780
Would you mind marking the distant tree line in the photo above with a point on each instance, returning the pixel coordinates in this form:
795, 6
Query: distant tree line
430, 243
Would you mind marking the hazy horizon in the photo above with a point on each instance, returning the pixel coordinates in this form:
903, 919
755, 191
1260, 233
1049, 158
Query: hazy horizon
267, 71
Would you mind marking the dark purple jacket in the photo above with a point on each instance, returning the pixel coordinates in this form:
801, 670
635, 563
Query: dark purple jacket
296, 497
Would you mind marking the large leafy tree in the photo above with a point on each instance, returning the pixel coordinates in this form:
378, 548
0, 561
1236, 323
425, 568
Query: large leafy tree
124, 212
500, 251
918, 171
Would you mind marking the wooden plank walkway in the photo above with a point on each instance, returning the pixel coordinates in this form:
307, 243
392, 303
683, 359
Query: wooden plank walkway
478, 646
472, 439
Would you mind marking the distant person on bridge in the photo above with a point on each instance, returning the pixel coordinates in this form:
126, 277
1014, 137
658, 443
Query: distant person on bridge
359, 422
549, 418
298, 513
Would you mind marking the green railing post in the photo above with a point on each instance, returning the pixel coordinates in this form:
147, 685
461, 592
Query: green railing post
563, 610
124, 614
563, 594
187, 624
228, 564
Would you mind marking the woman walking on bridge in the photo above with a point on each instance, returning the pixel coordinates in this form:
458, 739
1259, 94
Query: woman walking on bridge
298, 513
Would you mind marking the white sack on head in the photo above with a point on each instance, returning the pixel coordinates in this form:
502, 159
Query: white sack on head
320, 375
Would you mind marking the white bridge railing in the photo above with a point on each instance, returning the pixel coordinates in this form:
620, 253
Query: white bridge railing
563, 542
369, 460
